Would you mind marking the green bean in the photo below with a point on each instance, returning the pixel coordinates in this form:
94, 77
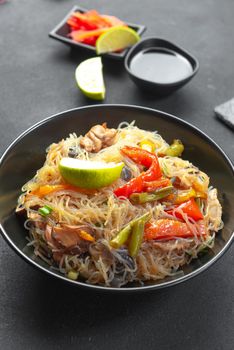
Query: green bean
144, 197
124, 234
136, 238
121, 237
175, 149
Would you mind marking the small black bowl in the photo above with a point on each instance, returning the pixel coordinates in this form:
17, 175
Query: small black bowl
164, 46
61, 31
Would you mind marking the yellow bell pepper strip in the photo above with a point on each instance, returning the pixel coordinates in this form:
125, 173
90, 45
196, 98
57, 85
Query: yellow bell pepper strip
201, 182
144, 197
44, 190
124, 234
183, 196
147, 145
175, 149
201, 195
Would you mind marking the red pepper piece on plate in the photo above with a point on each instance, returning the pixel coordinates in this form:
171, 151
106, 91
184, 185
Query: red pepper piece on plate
113, 21
88, 23
95, 18
87, 36
91, 40
83, 21
72, 22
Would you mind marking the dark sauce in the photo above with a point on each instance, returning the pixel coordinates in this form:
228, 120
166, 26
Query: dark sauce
160, 65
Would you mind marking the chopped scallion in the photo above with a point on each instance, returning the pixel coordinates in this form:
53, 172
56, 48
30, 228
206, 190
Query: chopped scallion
46, 210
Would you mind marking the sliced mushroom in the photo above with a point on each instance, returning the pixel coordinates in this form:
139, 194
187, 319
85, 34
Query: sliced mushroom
58, 250
98, 137
70, 235
50, 239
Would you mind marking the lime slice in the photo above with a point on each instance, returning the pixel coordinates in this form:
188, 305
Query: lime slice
89, 174
116, 38
89, 78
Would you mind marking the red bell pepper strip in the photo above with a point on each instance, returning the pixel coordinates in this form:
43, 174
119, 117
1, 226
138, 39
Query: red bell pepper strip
88, 21
95, 18
72, 22
133, 186
145, 158
86, 36
141, 157
190, 208
91, 40
113, 21
167, 229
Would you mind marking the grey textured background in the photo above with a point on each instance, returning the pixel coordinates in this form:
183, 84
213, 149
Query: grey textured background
37, 80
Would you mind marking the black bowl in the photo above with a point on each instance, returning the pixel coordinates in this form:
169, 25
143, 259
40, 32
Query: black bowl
27, 153
166, 47
61, 31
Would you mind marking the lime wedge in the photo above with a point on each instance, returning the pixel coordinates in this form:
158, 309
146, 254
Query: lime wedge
116, 38
89, 174
89, 78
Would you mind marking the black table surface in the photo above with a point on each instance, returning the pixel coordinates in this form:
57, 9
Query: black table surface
37, 80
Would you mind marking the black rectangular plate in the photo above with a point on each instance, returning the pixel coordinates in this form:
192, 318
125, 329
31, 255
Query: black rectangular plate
61, 31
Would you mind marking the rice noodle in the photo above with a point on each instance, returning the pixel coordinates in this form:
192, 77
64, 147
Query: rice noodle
107, 214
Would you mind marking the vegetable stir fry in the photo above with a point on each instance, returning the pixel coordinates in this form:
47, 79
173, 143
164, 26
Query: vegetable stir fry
140, 211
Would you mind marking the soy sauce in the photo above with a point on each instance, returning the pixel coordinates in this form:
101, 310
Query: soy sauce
160, 65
